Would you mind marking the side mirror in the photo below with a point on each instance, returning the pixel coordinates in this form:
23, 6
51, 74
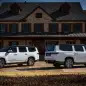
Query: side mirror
9, 51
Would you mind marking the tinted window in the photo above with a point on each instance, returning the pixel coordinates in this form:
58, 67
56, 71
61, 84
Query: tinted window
50, 47
66, 47
78, 48
31, 49
22, 49
3, 50
14, 49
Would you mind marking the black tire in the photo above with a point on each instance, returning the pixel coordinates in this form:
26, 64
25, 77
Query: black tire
68, 63
2, 63
20, 64
30, 61
56, 65
85, 65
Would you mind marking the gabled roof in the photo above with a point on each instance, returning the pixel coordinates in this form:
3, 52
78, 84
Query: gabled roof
51, 8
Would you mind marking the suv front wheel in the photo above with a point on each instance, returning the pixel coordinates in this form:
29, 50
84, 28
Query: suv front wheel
68, 63
30, 61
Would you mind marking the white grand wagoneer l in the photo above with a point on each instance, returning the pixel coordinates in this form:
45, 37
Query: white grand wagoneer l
66, 54
18, 55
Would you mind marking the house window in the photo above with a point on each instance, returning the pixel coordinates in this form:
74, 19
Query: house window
53, 28
13, 43
26, 28
66, 28
13, 28
77, 28
38, 15
3, 28
39, 28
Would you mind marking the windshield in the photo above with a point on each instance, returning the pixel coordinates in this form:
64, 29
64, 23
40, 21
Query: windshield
4, 49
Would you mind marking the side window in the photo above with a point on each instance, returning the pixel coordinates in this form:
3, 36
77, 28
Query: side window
65, 47
31, 49
78, 48
22, 49
14, 49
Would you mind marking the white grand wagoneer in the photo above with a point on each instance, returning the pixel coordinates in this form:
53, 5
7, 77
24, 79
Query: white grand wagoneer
18, 55
66, 54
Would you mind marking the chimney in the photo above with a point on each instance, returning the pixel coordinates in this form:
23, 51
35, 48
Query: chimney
15, 8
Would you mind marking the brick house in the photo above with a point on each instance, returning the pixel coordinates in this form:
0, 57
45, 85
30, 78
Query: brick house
42, 24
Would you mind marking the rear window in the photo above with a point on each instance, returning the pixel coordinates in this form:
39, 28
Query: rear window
78, 48
31, 49
65, 47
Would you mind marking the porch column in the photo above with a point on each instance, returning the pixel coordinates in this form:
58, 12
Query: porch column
60, 27
19, 27
32, 27
83, 27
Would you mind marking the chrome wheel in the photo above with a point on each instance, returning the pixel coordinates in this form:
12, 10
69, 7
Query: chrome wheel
68, 63
2, 63
30, 61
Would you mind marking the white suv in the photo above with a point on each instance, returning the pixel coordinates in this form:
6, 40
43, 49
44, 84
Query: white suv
66, 54
19, 55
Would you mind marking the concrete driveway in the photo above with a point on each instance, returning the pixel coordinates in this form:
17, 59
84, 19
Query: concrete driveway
43, 67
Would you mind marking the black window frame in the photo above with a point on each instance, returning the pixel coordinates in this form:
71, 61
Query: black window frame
77, 50
66, 30
77, 28
51, 28
65, 47
28, 29
5, 29
12, 30
39, 30
38, 15
13, 51
33, 49
20, 48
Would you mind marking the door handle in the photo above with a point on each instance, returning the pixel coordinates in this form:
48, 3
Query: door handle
25, 53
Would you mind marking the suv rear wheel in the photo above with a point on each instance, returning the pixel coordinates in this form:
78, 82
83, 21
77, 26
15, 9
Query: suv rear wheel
2, 63
30, 61
69, 63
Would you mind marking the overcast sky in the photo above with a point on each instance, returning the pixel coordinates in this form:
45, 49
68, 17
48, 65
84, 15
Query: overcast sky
83, 2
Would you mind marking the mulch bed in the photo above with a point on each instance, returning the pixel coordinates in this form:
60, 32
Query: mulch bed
48, 80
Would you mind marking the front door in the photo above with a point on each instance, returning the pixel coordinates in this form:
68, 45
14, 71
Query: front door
12, 55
